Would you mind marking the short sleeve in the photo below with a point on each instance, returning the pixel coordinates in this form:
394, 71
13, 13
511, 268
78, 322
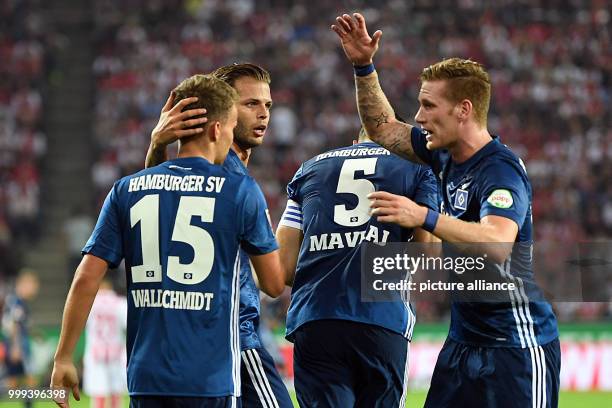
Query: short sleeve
292, 216
293, 188
106, 241
257, 236
503, 192
427, 189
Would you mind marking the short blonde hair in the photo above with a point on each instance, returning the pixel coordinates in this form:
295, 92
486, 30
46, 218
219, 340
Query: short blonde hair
214, 95
466, 79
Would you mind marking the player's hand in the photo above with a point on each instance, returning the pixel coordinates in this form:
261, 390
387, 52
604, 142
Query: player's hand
173, 123
397, 209
65, 376
358, 46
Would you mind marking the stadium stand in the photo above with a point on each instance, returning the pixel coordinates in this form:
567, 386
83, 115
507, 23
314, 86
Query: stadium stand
23, 143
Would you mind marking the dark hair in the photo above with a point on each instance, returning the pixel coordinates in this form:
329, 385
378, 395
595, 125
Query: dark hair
233, 72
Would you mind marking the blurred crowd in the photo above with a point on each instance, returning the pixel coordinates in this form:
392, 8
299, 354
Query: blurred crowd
550, 63
23, 71
550, 66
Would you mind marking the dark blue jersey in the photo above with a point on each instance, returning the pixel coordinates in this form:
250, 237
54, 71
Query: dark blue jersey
15, 316
493, 182
249, 293
179, 227
328, 202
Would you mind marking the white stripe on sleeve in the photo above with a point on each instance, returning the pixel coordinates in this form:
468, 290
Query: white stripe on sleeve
292, 217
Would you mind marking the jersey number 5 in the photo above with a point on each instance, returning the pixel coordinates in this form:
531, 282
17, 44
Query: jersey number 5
146, 212
347, 183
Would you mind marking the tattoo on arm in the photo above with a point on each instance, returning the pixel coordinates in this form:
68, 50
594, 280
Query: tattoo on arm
381, 119
378, 118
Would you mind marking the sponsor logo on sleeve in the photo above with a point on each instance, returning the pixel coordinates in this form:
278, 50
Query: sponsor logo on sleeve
501, 199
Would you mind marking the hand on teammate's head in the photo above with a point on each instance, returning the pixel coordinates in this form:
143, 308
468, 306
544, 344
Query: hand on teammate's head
174, 123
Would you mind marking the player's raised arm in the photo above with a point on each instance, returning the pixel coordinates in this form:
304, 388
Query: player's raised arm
173, 124
377, 115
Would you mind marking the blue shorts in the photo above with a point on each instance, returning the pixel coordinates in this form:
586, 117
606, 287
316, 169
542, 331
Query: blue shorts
262, 385
21, 367
495, 377
15, 369
340, 363
18, 368
160, 401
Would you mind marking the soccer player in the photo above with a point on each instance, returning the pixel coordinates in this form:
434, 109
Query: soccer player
179, 227
262, 385
15, 319
104, 358
347, 352
502, 354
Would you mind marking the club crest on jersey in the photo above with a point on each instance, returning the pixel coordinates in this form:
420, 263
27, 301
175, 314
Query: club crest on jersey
461, 199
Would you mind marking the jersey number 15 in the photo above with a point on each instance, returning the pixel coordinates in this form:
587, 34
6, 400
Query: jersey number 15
146, 212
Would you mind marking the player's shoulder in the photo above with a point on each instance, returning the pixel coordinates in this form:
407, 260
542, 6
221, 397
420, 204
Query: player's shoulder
232, 175
125, 180
245, 184
233, 163
337, 156
184, 167
501, 163
500, 155
390, 163
245, 180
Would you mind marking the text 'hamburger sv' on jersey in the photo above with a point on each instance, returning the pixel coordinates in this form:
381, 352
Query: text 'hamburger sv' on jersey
327, 200
179, 227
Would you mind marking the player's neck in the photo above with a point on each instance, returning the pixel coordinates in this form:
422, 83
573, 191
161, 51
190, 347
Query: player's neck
206, 152
243, 154
467, 147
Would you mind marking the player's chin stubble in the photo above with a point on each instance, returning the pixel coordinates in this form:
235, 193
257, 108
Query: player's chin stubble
243, 138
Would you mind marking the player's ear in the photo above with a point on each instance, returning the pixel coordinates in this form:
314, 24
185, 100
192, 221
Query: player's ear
215, 131
464, 109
